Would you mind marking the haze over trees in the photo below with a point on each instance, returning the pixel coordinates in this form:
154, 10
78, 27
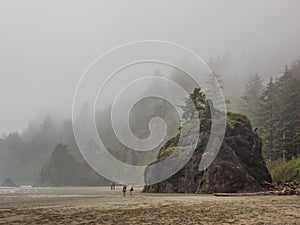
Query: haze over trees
275, 111
251, 98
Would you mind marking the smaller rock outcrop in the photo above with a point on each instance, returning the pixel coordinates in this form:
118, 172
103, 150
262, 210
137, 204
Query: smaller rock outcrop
9, 183
62, 169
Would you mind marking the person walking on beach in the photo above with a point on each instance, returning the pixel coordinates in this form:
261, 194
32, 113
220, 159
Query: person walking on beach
113, 186
124, 190
131, 190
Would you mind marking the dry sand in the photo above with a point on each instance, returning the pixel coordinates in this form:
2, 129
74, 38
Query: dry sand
103, 206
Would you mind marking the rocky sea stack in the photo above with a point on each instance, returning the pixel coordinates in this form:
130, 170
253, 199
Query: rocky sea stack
238, 167
62, 169
8, 183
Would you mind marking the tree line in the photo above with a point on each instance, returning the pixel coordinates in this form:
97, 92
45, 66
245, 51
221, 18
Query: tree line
274, 111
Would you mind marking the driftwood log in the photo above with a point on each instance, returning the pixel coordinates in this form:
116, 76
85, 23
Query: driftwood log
291, 188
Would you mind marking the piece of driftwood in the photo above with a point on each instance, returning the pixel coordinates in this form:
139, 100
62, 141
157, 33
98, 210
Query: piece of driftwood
291, 188
262, 193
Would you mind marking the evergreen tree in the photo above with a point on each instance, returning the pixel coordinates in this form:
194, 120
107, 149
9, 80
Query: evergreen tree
267, 118
195, 103
295, 68
251, 98
288, 123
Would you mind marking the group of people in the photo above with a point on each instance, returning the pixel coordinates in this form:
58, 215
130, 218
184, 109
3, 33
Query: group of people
124, 189
113, 186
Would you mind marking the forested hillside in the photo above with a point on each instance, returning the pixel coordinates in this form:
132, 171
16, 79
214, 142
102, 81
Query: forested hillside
274, 111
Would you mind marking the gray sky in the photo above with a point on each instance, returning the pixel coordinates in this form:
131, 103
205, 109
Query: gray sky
46, 45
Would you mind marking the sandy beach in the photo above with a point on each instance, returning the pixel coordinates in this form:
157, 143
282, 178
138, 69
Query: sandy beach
100, 205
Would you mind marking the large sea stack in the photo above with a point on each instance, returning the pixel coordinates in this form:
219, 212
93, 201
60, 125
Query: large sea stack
238, 167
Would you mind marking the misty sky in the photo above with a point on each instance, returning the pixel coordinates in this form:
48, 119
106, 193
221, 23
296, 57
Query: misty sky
46, 45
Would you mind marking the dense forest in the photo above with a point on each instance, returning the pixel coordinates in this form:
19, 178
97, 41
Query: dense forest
274, 111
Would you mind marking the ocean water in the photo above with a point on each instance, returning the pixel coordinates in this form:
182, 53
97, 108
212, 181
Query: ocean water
60, 192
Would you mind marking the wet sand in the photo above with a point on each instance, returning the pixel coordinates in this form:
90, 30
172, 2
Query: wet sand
102, 206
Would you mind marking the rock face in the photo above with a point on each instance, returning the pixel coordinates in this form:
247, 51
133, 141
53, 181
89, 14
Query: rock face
8, 183
62, 169
238, 167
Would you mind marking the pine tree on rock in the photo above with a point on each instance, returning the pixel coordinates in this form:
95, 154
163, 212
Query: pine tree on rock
195, 103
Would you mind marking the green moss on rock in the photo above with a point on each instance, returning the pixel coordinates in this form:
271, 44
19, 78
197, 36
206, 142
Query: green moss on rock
170, 150
167, 151
233, 118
